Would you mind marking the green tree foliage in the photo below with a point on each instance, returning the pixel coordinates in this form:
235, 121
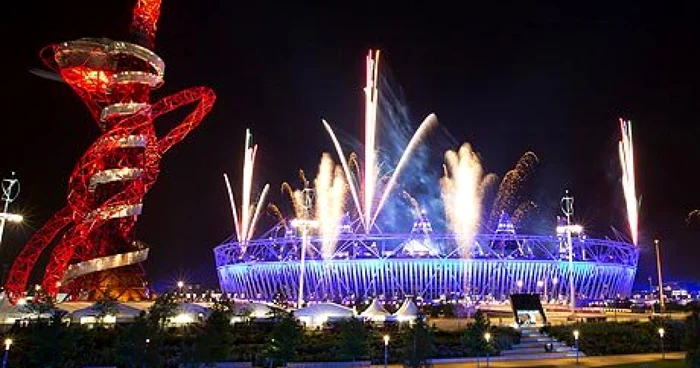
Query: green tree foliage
353, 339
611, 338
104, 307
691, 343
164, 308
285, 337
419, 344
137, 344
214, 342
474, 341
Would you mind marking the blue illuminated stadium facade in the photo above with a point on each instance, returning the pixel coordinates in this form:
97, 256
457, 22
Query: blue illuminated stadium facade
425, 265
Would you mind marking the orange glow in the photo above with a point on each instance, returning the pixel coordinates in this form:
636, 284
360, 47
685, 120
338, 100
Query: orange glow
90, 80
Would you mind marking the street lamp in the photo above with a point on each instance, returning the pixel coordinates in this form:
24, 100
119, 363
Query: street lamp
8, 343
10, 191
386, 350
180, 285
487, 337
662, 332
555, 281
576, 334
520, 285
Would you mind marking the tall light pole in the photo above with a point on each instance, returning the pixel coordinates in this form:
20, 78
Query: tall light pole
567, 207
661, 339
662, 305
8, 343
576, 334
304, 224
386, 350
10, 191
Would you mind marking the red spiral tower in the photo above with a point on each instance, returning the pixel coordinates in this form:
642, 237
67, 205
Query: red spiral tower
93, 248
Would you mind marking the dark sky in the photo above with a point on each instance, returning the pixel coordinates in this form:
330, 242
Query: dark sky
506, 79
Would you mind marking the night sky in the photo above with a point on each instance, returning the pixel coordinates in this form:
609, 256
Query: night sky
505, 79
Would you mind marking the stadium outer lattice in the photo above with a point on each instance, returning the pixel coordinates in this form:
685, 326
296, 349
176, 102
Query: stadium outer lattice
426, 266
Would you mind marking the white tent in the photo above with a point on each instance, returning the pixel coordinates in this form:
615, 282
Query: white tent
408, 311
89, 314
316, 315
253, 310
375, 312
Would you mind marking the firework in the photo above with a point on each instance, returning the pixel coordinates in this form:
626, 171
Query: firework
367, 185
462, 188
245, 221
295, 199
511, 185
414, 203
522, 211
423, 129
330, 199
275, 211
626, 150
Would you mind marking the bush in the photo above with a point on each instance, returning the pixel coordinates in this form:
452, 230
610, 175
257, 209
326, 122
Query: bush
610, 338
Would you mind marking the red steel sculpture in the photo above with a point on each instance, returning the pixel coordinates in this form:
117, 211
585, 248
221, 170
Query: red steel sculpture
95, 250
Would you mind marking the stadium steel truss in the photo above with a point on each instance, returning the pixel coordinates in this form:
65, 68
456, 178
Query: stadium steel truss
425, 265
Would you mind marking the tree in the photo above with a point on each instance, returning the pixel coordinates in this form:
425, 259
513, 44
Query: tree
215, 341
284, 339
164, 308
419, 344
353, 339
137, 343
40, 305
692, 339
474, 341
105, 306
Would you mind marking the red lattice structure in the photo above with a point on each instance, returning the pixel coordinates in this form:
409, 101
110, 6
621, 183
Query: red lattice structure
95, 251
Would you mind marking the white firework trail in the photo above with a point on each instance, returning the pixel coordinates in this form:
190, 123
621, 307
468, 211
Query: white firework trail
626, 150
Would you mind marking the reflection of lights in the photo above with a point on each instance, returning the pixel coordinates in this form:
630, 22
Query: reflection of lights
11, 217
183, 319
576, 229
304, 223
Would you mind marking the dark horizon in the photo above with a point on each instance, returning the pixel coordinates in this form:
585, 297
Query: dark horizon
508, 80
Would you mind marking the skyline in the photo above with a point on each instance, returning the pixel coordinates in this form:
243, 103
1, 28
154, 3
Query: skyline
476, 99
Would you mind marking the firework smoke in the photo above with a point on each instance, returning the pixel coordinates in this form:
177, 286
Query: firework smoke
508, 192
626, 150
368, 184
249, 213
330, 199
520, 213
462, 191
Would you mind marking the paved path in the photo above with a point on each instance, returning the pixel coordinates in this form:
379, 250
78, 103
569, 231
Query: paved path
602, 361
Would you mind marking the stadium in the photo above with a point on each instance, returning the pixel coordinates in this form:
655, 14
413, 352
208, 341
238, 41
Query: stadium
333, 250
425, 265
